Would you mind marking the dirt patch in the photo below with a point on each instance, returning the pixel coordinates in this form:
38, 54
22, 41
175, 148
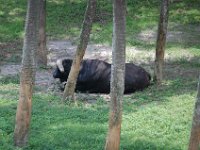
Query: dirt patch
65, 49
58, 50
9, 51
182, 34
176, 71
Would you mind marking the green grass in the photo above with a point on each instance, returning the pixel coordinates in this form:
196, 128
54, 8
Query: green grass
12, 14
64, 18
157, 118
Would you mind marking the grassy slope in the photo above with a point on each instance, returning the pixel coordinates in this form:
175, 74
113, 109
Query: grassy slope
154, 119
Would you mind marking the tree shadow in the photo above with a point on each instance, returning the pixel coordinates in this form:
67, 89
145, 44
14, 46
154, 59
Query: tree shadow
181, 30
147, 145
67, 126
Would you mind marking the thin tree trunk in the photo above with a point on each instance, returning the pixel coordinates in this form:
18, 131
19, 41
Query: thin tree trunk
80, 51
117, 75
161, 40
42, 49
27, 76
195, 131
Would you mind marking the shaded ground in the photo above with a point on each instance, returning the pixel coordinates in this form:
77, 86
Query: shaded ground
59, 50
65, 49
182, 34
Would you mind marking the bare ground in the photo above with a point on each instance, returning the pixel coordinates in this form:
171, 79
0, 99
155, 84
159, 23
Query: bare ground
65, 49
58, 50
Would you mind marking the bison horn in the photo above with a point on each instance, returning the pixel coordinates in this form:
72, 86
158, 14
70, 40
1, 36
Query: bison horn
60, 65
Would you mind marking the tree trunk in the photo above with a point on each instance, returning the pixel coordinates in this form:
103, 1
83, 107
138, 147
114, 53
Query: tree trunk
27, 76
161, 40
195, 131
80, 51
117, 75
42, 49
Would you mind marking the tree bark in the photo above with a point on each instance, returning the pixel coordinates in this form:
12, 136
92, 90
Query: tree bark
27, 76
195, 131
80, 51
161, 40
117, 75
42, 49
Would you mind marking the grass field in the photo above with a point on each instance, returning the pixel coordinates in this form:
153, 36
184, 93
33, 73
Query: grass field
152, 119
158, 118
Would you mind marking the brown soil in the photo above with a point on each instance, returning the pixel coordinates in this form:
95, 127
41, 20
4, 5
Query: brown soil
58, 50
65, 49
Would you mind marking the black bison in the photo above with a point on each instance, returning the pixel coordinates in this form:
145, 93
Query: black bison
94, 76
